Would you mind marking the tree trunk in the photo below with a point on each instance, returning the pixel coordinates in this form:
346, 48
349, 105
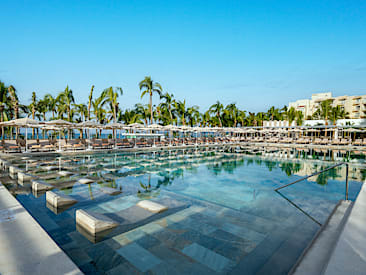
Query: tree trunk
151, 113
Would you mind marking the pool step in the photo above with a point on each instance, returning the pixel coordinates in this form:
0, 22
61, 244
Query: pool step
316, 256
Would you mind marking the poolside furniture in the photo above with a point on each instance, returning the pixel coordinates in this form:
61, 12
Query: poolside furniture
12, 148
79, 144
364, 142
96, 144
345, 141
2, 145
106, 144
357, 142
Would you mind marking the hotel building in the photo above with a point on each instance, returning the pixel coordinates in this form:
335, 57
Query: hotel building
354, 105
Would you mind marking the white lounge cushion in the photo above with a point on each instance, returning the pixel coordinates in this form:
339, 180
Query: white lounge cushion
152, 206
94, 222
65, 173
110, 191
85, 181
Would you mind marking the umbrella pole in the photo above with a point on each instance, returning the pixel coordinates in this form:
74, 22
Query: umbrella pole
26, 138
59, 140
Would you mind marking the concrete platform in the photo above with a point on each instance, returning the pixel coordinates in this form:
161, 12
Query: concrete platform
38, 186
24, 246
59, 200
23, 177
349, 254
93, 222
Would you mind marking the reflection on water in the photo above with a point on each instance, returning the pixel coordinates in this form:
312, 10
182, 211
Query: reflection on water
223, 213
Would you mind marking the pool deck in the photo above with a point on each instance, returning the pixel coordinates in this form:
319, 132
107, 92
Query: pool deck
340, 245
24, 246
349, 254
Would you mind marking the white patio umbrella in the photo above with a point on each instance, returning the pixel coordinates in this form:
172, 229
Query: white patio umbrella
61, 125
24, 122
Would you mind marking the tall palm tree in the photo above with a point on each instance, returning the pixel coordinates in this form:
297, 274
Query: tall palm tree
110, 95
143, 111
65, 99
273, 113
180, 108
51, 104
82, 110
232, 112
90, 100
291, 115
217, 109
150, 87
33, 109
205, 118
299, 118
98, 110
168, 104
14, 99
193, 115
241, 117
326, 109
130, 116
15, 104
260, 117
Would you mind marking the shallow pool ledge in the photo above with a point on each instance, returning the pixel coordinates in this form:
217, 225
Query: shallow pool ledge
25, 247
349, 255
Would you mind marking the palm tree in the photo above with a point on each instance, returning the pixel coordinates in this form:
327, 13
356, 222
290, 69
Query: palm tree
274, 113
232, 112
130, 116
65, 99
326, 109
260, 118
168, 104
98, 110
193, 115
51, 104
180, 108
217, 109
33, 108
291, 115
14, 99
241, 117
82, 110
149, 87
110, 95
205, 118
299, 118
15, 104
90, 100
143, 111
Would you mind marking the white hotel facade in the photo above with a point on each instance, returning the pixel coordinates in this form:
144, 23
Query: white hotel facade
354, 105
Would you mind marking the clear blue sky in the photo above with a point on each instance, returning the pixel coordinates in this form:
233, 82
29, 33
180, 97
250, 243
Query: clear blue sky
254, 53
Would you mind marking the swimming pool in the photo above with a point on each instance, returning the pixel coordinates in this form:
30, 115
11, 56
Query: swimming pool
223, 213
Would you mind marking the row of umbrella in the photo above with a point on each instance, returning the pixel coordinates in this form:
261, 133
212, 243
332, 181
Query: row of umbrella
59, 123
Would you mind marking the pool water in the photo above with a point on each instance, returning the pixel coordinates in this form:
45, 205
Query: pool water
223, 214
